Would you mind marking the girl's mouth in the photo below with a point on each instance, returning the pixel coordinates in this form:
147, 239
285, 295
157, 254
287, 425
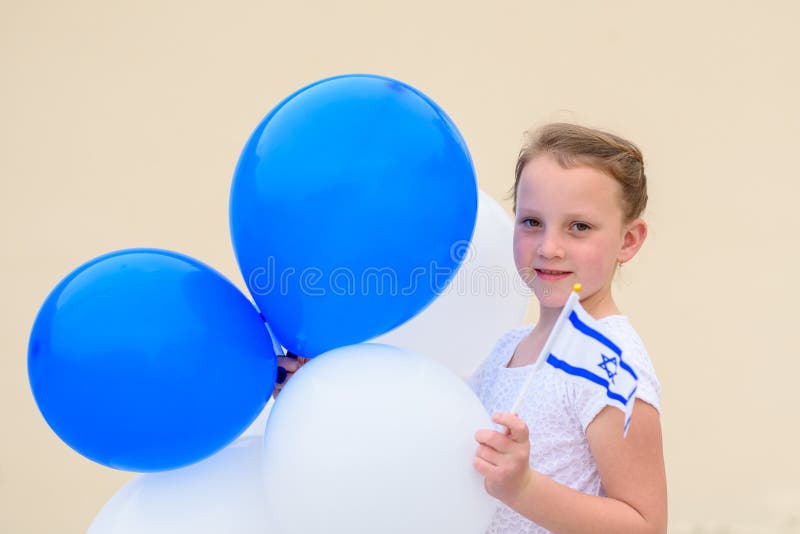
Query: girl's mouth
551, 275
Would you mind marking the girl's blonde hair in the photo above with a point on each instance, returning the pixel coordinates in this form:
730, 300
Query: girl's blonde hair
572, 145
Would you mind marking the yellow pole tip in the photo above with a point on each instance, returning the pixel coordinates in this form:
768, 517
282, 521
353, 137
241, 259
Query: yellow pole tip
577, 288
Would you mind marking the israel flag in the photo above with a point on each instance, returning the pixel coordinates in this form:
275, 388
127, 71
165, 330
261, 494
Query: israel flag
577, 346
582, 350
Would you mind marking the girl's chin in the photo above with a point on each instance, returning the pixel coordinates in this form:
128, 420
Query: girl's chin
549, 298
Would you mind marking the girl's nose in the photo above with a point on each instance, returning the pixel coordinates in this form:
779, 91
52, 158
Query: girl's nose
549, 248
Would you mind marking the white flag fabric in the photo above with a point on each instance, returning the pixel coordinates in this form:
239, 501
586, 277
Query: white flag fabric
582, 350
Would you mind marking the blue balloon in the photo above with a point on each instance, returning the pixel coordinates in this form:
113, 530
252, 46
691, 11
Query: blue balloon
351, 208
146, 360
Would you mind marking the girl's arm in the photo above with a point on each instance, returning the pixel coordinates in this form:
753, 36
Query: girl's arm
631, 469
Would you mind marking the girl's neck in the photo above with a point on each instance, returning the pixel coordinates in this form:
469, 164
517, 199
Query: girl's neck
547, 319
529, 348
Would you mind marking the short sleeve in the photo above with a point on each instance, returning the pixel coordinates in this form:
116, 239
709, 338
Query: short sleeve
589, 400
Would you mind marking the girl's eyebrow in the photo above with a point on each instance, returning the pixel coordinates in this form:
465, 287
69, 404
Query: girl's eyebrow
522, 211
578, 216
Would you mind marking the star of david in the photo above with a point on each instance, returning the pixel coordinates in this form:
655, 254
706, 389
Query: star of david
609, 365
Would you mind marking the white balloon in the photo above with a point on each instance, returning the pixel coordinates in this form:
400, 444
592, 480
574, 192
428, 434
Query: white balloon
370, 438
485, 299
221, 494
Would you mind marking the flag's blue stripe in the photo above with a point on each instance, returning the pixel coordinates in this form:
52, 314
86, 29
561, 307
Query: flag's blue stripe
627, 368
583, 373
594, 334
591, 332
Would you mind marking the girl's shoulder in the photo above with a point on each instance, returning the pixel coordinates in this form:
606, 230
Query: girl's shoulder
508, 342
620, 329
590, 400
498, 357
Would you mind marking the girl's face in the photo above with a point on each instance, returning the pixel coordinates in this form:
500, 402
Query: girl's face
570, 228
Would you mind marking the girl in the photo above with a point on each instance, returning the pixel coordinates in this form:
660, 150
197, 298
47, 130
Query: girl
563, 464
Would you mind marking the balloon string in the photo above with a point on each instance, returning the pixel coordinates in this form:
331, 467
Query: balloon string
277, 349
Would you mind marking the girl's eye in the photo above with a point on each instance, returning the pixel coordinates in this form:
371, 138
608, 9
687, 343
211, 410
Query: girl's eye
531, 223
580, 227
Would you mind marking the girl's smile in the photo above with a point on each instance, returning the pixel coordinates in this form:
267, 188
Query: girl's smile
550, 275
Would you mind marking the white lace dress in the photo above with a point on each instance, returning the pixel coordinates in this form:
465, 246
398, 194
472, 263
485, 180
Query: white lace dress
557, 409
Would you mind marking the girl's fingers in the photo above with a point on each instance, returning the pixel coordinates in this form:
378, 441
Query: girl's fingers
482, 466
289, 364
493, 439
489, 455
517, 430
482, 436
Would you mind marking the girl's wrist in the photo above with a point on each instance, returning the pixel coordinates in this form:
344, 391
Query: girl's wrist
523, 497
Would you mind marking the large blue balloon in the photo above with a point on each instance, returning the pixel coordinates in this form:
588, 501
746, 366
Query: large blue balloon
147, 360
351, 207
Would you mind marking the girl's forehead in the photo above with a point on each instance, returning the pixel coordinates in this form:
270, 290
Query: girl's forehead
544, 184
544, 170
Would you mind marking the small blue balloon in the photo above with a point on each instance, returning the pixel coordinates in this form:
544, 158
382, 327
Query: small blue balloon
146, 360
351, 207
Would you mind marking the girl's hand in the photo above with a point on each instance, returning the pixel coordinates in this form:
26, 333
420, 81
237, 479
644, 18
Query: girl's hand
287, 366
503, 458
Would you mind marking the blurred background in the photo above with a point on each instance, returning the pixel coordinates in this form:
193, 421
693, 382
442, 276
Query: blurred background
121, 124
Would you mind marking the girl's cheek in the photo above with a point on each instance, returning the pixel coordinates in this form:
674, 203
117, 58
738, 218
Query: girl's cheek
517, 250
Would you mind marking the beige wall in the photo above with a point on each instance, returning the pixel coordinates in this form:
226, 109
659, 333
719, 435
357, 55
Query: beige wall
121, 123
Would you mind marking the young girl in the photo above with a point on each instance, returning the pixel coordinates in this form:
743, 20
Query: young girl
563, 465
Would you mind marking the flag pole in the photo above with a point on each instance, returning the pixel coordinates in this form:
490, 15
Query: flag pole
562, 318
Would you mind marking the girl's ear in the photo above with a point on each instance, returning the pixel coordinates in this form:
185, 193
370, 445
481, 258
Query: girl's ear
632, 239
